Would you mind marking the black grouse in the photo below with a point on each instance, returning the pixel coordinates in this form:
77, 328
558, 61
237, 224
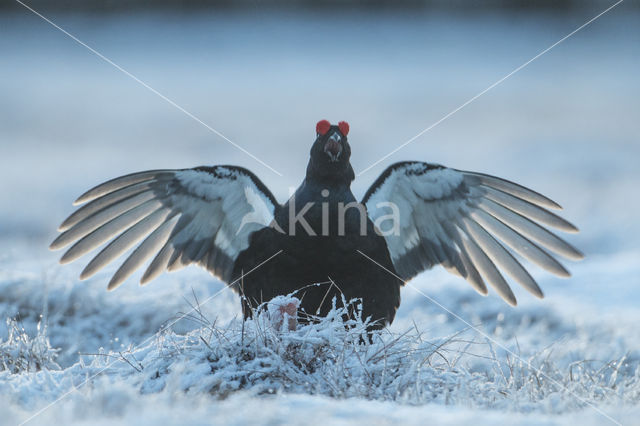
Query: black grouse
322, 242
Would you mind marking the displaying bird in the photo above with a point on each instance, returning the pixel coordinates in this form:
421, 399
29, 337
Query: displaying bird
322, 242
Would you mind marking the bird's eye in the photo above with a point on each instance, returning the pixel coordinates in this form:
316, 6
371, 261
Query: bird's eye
344, 127
323, 127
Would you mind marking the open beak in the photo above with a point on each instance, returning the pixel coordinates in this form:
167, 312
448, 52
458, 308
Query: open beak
333, 147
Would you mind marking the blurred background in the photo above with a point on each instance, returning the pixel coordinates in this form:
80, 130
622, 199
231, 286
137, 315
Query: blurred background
263, 73
175, 5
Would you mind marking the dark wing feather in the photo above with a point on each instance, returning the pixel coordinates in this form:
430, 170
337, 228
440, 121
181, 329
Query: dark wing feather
203, 215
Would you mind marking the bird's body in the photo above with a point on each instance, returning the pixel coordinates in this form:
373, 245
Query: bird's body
320, 266
322, 244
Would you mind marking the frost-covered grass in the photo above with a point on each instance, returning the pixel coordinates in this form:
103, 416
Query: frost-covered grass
341, 360
21, 353
221, 359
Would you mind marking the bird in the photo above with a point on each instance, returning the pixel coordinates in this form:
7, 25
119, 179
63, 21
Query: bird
322, 244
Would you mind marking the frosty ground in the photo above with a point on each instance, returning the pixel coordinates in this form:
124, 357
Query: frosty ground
566, 126
535, 364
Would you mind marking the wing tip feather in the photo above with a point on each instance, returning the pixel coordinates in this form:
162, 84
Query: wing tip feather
66, 259
114, 283
145, 280
571, 228
576, 254
57, 244
149, 275
482, 291
536, 291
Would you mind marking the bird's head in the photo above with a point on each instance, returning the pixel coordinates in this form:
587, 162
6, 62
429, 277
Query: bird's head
330, 153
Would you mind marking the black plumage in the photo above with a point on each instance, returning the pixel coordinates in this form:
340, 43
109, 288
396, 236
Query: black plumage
322, 243
328, 256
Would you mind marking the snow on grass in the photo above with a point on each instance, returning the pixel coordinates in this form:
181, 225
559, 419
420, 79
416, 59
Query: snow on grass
223, 362
21, 354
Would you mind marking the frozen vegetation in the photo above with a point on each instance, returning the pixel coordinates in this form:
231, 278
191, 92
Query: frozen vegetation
527, 364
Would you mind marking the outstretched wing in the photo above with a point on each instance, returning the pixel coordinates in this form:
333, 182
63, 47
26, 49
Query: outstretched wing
465, 221
202, 215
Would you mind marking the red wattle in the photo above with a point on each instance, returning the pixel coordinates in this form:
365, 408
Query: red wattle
344, 127
322, 127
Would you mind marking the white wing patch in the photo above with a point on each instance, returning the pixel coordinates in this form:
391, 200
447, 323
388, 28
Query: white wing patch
260, 215
184, 216
436, 184
409, 189
456, 219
